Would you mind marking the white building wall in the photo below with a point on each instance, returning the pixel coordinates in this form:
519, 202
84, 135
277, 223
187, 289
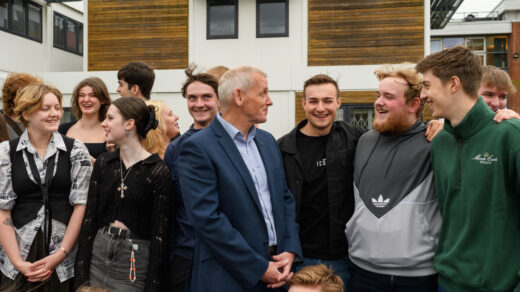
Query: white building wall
283, 59
247, 49
24, 55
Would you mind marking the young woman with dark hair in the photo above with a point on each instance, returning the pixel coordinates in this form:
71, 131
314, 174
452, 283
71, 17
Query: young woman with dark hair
123, 239
89, 104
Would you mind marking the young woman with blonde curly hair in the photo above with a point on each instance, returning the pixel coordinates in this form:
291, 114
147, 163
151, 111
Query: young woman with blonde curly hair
157, 140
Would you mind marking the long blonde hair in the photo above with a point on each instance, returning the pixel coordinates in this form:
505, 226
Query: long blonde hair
156, 140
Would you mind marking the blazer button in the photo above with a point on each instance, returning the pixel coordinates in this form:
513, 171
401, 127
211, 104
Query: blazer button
297, 182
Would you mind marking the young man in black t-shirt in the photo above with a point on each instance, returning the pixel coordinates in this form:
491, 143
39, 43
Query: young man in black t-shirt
318, 161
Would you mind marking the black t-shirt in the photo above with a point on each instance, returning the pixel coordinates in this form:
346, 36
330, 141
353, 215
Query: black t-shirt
314, 209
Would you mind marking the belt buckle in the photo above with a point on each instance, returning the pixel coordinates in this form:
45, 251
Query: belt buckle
119, 234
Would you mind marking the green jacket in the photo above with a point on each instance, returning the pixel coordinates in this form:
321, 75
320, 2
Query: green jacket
477, 179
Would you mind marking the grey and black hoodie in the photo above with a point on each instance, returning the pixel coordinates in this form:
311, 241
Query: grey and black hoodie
396, 220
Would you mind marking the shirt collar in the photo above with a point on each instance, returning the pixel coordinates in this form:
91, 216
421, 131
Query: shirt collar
233, 132
56, 143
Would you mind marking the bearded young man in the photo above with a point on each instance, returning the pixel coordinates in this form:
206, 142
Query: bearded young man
393, 232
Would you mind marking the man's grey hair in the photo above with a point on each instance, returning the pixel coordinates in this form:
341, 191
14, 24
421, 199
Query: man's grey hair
236, 78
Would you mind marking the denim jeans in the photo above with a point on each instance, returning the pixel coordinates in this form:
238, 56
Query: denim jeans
110, 264
340, 267
364, 281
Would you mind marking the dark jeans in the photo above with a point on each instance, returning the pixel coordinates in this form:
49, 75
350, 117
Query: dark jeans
365, 281
179, 273
110, 264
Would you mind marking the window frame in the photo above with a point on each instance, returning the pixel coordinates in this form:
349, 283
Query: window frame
348, 107
272, 35
209, 3
79, 30
25, 34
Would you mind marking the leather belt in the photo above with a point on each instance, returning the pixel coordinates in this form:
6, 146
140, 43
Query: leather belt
117, 232
271, 251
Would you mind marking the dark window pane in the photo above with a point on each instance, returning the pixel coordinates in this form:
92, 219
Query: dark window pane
497, 59
18, 20
452, 42
80, 39
271, 18
59, 31
496, 44
35, 22
3, 13
71, 35
222, 20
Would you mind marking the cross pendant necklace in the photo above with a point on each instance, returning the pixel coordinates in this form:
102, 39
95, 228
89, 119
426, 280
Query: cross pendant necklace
122, 187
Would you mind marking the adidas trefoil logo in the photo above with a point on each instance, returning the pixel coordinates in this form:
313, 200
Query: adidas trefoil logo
380, 203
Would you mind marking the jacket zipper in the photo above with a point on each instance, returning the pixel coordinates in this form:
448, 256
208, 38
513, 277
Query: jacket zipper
459, 162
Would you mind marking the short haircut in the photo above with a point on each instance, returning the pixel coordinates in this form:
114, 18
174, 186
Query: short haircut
318, 80
236, 78
100, 91
496, 77
13, 83
217, 71
140, 74
317, 276
30, 99
458, 61
136, 109
412, 78
205, 78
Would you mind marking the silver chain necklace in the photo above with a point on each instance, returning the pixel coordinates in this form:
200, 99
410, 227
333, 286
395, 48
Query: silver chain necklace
122, 187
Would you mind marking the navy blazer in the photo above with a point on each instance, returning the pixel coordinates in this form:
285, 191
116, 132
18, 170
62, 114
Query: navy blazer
231, 249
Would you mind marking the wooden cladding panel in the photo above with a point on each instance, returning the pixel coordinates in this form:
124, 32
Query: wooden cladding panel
349, 97
363, 32
122, 31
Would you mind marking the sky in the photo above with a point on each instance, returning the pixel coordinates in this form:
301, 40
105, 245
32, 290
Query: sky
478, 5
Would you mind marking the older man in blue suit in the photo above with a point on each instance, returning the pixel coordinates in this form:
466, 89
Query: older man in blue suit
236, 196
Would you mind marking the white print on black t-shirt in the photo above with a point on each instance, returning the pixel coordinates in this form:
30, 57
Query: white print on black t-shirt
322, 162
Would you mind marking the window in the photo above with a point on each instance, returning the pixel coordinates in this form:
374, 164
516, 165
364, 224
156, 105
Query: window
452, 42
435, 46
68, 34
67, 116
360, 115
497, 51
492, 50
21, 17
478, 46
272, 18
222, 19
3, 14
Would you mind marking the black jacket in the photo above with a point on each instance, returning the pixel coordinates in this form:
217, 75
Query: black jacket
341, 146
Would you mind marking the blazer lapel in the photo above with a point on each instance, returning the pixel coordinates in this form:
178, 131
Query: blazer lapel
231, 150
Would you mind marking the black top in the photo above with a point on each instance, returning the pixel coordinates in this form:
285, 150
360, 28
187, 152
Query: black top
314, 215
341, 146
145, 210
94, 149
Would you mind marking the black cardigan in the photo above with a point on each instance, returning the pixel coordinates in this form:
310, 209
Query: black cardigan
145, 210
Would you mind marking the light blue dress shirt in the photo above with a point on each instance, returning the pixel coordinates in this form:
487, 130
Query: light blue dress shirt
254, 163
